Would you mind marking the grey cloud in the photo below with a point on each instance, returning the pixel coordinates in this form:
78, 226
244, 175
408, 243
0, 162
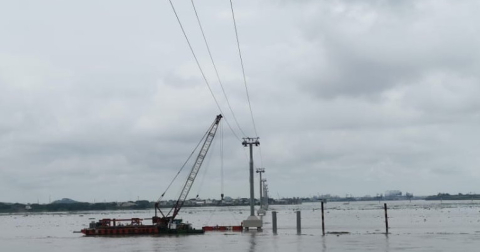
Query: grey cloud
349, 97
370, 48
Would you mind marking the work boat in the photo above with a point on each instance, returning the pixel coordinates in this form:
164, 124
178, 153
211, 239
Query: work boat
166, 223
134, 226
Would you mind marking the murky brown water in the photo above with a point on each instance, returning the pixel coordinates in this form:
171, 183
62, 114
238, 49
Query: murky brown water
414, 226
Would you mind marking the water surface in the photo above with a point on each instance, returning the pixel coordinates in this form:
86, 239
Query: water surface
414, 226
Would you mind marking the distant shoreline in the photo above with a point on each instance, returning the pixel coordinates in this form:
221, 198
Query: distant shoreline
446, 196
74, 206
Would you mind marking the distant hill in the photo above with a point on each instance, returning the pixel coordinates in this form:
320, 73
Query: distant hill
64, 201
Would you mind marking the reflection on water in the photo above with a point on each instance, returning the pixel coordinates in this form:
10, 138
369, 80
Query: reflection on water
324, 244
275, 242
387, 244
253, 242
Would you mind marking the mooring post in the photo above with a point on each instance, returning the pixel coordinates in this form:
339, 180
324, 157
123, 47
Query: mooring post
299, 223
323, 221
274, 222
386, 218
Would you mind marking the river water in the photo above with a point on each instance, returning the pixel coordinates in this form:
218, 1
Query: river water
414, 226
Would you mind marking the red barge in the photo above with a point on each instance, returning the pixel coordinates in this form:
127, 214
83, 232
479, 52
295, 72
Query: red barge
134, 226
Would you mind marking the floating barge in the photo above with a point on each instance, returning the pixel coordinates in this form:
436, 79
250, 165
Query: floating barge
134, 226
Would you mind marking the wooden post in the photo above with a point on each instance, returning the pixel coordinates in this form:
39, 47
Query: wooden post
386, 218
299, 223
274, 222
323, 221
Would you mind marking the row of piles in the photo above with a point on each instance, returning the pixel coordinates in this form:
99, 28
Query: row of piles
299, 222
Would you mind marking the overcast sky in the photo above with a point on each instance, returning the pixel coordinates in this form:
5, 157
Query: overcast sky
102, 100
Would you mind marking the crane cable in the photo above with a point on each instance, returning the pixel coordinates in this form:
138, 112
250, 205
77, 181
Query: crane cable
221, 163
209, 158
178, 173
215, 67
201, 70
205, 170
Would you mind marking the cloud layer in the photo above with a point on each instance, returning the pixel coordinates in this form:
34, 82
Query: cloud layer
103, 101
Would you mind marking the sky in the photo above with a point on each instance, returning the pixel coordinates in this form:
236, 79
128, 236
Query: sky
103, 100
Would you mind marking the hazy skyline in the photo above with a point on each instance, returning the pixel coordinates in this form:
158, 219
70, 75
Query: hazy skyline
103, 99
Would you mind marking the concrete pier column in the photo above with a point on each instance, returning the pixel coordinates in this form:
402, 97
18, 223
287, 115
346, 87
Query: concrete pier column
323, 222
274, 222
386, 218
299, 223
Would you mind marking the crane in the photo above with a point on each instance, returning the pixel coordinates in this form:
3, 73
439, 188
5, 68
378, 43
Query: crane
167, 218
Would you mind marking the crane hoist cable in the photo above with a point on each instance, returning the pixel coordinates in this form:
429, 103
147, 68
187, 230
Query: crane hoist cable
221, 163
181, 168
205, 170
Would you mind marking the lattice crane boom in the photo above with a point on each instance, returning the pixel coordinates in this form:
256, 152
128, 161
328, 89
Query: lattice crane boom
193, 173
196, 167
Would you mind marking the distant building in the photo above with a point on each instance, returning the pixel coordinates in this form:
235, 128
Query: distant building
393, 194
